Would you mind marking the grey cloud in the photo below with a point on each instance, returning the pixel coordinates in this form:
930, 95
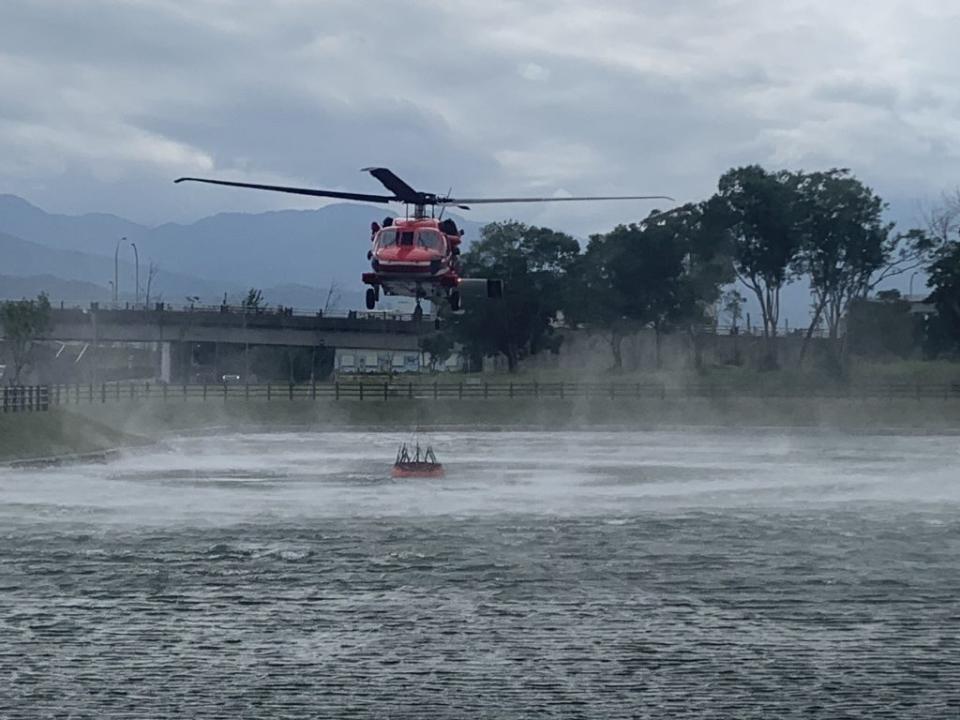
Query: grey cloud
103, 102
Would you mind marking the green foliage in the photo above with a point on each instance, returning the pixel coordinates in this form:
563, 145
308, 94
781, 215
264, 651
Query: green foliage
845, 242
661, 273
733, 301
534, 264
23, 322
760, 213
882, 327
943, 330
439, 346
254, 300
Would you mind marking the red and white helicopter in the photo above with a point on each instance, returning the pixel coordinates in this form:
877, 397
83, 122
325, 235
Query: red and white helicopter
418, 255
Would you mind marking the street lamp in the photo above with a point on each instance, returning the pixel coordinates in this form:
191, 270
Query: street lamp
136, 297
116, 273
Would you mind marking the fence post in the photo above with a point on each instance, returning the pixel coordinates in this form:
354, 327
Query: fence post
511, 389
146, 390
103, 392
225, 387
166, 389
460, 392
268, 392
410, 390
434, 389
561, 391
385, 386
204, 392
246, 391
91, 393
536, 389
184, 392
336, 391
611, 391
117, 390
486, 391
361, 390
313, 389
291, 391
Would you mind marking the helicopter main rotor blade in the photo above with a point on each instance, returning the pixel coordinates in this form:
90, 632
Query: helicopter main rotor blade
497, 201
389, 179
363, 197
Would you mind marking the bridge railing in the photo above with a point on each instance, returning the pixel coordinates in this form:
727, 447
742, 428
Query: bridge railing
268, 311
24, 398
393, 391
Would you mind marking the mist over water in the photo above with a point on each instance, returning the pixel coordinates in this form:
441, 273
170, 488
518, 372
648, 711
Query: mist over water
682, 573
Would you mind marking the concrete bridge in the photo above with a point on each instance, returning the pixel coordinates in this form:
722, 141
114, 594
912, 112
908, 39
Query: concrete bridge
171, 329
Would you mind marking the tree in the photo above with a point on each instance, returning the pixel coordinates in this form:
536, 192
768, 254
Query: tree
439, 346
659, 273
943, 331
254, 300
24, 321
733, 302
534, 264
759, 210
845, 244
333, 297
152, 271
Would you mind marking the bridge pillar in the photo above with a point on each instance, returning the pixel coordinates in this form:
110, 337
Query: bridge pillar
166, 362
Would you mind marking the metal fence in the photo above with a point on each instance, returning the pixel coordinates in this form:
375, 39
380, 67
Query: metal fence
387, 391
24, 398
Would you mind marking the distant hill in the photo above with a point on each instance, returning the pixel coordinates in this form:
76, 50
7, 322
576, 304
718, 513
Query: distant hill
28, 268
302, 247
69, 292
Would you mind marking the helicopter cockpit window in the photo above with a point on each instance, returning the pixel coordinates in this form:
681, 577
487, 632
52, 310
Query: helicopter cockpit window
387, 238
430, 239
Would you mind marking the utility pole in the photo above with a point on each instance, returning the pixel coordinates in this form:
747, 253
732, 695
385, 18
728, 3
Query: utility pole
136, 254
116, 273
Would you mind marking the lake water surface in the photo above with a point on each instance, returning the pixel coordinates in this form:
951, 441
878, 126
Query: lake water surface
657, 574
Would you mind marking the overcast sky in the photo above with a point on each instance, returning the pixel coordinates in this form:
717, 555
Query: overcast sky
104, 102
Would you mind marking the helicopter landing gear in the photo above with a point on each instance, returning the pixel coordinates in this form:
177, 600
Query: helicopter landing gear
371, 298
418, 312
454, 301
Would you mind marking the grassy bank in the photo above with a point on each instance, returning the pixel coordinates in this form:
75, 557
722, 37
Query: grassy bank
90, 428
861, 373
58, 434
152, 418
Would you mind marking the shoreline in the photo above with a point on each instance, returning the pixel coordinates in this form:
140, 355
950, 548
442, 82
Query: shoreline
98, 432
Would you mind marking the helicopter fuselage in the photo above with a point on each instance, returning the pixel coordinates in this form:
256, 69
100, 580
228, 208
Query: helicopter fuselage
415, 257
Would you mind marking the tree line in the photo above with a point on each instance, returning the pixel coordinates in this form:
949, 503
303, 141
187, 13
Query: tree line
668, 271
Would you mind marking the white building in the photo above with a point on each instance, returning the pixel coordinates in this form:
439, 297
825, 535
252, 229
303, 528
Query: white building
354, 361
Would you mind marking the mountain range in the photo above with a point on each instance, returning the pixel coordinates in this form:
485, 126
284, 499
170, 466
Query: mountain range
294, 256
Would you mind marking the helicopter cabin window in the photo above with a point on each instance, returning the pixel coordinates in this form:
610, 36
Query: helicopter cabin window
387, 238
431, 240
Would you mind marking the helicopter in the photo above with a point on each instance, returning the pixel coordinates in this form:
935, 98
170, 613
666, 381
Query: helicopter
418, 255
